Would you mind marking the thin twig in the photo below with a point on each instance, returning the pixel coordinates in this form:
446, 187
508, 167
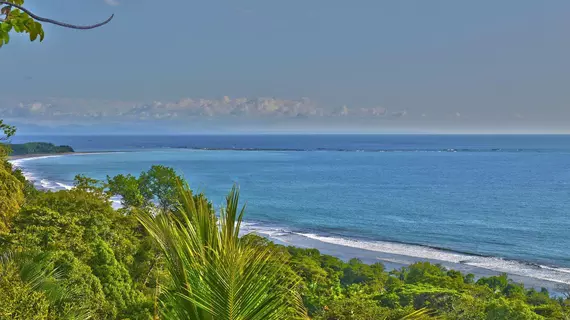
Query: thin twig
62, 24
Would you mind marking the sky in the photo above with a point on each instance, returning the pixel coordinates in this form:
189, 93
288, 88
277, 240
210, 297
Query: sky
434, 65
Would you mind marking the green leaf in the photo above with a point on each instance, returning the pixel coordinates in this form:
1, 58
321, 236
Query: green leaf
38, 28
5, 37
33, 35
6, 26
15, 13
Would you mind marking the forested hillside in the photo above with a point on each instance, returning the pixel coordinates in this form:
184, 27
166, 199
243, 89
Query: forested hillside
38, 148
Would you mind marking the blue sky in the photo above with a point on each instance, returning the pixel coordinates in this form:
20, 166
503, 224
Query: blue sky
481, 59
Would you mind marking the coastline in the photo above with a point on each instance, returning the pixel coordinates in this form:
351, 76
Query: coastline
391, 259
398, 259
38, 155
42, 155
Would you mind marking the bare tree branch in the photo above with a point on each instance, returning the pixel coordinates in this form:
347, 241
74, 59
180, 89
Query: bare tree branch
62, 24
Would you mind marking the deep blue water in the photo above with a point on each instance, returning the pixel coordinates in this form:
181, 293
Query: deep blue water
499, 196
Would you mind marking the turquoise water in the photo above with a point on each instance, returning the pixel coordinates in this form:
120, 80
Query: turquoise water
494, 202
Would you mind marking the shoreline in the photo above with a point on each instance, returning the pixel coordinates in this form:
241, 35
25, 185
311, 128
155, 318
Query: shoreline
397, 260
38, 155
394, 259
43, 155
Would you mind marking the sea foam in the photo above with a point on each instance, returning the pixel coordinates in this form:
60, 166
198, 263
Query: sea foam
409, 253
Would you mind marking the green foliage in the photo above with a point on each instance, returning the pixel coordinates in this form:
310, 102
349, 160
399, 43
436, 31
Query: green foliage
214, 274
360, 273
425, 295
129, 188
333, 289
83, 289
69, 220
352, 308
321, 277
11, 196
160, 184
35, 290
44, 229
496, 283
157, 186
117, 285
29, 190
20, 22
502, 308
38, 148
22, 297
7, 130
100, 243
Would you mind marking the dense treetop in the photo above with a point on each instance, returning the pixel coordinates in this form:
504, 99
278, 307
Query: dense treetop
38, 148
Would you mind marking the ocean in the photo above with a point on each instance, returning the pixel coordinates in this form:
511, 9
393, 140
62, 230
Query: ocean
486, 204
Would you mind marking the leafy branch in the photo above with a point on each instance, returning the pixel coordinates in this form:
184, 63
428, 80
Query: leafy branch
21, 20
6, 131
59, 23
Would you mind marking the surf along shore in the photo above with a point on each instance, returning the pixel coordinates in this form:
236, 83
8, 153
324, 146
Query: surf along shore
397, 256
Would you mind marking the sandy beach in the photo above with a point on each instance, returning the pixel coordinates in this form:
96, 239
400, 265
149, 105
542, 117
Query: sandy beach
40, 155
395, 261
37, 155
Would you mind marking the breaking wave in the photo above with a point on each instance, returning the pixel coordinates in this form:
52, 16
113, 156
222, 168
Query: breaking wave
409, 253
46, 184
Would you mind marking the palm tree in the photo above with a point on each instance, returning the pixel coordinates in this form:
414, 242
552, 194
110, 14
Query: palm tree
32, 290
214, 274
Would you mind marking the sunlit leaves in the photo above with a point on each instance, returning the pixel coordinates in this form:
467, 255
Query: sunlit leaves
17, 2
11, 197
6, 27
14, 20
214, 274
8, 130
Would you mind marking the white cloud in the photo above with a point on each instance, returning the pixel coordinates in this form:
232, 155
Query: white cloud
112, 2
399, 114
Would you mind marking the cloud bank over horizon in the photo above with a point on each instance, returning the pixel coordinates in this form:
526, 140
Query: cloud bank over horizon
264, 114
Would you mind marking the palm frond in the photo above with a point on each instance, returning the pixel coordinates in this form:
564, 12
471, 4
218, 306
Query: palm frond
421, 314
214, 274
37, 273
